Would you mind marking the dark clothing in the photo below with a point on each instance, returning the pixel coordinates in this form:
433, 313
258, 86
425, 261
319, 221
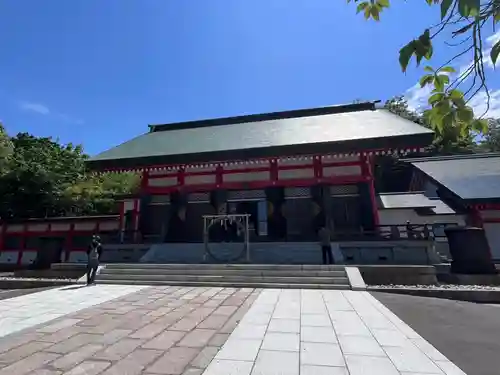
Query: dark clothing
96, 246
94, 253
327, 254
91, 272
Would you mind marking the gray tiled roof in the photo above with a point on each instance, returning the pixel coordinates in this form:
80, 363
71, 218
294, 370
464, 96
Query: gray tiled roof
297, 132
404, 200
470, 177
413, 200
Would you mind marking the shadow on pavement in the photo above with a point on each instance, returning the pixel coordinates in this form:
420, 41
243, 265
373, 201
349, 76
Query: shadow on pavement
465, 332
73, 287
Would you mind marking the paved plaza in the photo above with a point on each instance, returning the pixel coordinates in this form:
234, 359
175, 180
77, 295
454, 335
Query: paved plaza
130, 330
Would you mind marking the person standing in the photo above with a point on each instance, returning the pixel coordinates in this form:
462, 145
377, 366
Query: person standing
94, 253
325, 237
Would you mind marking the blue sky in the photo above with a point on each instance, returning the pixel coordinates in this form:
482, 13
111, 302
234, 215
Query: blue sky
98, 72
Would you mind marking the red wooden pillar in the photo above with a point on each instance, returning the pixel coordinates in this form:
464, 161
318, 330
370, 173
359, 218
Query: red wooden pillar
23, 244
274, 171
144, 181
219, 177
367, 170
318, 168
69, 241
122, 215
477, 220
135, 215
2, 236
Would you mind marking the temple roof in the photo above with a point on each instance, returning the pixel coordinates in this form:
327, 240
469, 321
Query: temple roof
336, 129
472, 178
413, 200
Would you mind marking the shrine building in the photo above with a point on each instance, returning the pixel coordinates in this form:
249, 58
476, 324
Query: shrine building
291, 172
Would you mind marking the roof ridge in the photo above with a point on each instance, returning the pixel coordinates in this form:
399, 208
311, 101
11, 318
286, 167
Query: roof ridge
452, 157
402, 193
304, 112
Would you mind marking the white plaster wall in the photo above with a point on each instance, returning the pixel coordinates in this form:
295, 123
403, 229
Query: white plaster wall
347, 170
38, 227
128, 205
60, 226
28, 257
492, 231
15, 228
246, 177
77, 257
109, 225
8, 257
199, 179
490, 214
286, 174
88, 225
162, 181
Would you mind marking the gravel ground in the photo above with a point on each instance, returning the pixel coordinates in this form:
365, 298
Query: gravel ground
438, 287
36, 279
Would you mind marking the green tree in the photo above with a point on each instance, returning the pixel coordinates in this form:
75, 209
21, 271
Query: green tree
491, 140
391, 175
42, 177
6, 149
96, 194
451, 140
448, 110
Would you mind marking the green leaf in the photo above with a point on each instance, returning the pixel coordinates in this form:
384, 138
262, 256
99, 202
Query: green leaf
436, 98
447, 69
367, 12
494, 52
439, 83
445, 6
426, 80
405, 55
383, 3
375, 13
428, 69
469, 8
479, 126
362, 6
465, 114
456, 94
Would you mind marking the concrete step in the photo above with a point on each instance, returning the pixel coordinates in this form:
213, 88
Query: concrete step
221, 272
297, 279
272, 267
228, 284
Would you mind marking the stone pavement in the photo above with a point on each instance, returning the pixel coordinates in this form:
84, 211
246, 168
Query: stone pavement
213, 331
29, 310
309, 332
157, 330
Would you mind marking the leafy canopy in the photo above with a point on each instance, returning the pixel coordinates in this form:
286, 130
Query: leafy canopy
40, 177
465, 19
449, 141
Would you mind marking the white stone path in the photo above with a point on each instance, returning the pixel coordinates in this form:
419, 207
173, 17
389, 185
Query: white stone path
309, 332
32, 309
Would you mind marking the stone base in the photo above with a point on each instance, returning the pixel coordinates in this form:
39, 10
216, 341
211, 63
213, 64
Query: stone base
398, 275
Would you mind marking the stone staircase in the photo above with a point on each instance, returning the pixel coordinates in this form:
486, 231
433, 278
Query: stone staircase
227, 275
